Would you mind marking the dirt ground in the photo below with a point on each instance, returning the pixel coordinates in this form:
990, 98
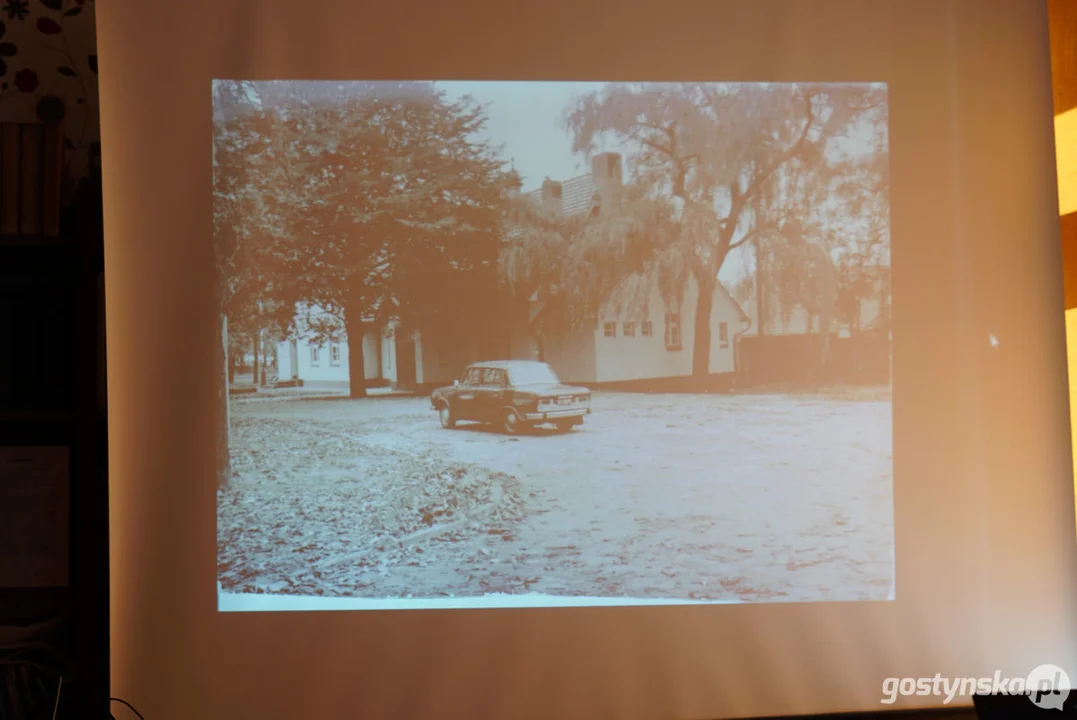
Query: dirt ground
708, 497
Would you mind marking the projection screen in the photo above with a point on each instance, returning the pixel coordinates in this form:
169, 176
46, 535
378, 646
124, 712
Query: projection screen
691, 361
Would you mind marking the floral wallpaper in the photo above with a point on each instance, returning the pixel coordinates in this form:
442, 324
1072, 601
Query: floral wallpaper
48, 72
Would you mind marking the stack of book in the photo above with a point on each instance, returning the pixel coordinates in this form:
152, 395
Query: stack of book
31, 155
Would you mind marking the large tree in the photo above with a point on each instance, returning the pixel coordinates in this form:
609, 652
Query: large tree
712, 150
363, 201
249, 217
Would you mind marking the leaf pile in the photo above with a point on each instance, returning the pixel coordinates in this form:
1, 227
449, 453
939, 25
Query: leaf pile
314, 511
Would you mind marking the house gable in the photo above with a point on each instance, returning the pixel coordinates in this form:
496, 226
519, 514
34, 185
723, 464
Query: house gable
624, 352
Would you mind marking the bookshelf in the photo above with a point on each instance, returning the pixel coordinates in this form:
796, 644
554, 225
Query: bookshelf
52, 403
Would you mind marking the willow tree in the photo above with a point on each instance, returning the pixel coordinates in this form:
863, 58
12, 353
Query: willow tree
709, 151
531, 260
567, 270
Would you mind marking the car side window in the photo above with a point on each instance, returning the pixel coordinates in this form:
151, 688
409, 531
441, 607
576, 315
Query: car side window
492, 377
474, 376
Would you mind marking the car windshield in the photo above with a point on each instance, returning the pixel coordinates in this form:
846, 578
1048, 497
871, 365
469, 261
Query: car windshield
532, 375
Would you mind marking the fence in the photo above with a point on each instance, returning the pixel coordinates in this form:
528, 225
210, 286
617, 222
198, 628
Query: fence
861, 359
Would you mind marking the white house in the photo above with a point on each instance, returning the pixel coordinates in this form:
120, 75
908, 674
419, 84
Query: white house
394, 356
326, 365
654, 345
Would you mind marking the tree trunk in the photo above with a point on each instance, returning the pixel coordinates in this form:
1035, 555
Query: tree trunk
256, 366
264, 376
540, 350
760, 299
353, 326
534, 329
224, 464
701, 341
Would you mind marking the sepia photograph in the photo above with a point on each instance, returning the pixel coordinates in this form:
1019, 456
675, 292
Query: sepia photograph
544, 344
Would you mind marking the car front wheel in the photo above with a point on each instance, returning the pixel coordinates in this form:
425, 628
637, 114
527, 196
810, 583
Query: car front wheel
511, 422
445, 415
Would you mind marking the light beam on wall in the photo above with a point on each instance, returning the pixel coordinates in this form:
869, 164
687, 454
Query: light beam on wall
1066, 158
1066, 153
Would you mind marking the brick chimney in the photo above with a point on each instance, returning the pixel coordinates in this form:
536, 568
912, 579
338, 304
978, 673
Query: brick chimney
551, 196
607, 176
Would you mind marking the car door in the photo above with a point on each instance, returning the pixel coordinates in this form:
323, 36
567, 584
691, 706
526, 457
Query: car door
488, 399
465, 400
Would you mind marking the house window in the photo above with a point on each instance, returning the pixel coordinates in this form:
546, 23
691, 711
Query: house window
673, 331
723, 334
609, 329
334, 354
314, 355
629, 329
645, 328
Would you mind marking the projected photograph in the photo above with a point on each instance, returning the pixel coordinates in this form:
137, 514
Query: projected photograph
520, 344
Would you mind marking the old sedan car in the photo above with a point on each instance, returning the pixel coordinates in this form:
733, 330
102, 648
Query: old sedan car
514, 394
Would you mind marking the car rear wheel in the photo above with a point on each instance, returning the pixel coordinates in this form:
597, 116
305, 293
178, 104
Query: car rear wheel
445, 415
511, 423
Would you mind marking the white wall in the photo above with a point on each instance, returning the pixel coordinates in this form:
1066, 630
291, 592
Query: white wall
371, 348
284, 360
725, 310
620, 358
323, 370
388, 354
326, 370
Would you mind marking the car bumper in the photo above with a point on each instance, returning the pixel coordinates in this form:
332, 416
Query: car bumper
557, 414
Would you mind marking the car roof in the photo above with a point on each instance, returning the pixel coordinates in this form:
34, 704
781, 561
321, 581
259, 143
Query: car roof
505, 364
